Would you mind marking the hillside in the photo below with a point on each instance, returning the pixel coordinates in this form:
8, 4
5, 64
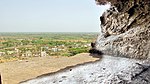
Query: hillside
124, 40
108, 70
125, 32
17, 71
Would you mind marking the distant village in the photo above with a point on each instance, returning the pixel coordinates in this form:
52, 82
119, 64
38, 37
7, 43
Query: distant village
30, 51
24, 45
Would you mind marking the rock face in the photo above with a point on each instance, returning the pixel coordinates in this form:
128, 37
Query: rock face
125, 29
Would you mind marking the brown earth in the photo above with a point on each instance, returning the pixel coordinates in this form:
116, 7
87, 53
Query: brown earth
17, 71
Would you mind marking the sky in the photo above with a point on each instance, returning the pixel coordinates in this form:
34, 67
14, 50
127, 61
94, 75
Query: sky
50, 16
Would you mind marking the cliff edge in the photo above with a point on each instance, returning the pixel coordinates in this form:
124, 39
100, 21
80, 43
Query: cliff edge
125, 32
125, 29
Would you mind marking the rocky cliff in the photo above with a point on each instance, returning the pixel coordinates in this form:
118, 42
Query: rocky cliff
125, 29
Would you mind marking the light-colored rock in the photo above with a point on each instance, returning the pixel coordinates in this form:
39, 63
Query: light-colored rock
125, 29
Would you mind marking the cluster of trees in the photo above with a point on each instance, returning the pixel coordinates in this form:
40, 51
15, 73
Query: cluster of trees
65, 48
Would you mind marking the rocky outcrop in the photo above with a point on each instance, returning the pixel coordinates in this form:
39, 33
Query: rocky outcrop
125, 29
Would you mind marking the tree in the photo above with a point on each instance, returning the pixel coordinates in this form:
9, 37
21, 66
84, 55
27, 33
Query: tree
25, 42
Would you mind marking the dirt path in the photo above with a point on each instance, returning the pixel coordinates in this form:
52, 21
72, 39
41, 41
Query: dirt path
17, 71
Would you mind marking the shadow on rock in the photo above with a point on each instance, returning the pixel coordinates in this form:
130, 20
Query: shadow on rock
95, 53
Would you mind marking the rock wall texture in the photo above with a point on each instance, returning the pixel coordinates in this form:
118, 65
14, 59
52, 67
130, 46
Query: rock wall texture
125, 29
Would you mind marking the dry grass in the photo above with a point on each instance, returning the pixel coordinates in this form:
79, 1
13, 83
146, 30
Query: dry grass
17, 71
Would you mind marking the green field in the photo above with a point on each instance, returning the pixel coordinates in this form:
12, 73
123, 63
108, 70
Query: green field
19, 46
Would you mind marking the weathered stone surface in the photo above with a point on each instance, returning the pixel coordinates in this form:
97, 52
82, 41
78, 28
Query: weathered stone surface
125, 29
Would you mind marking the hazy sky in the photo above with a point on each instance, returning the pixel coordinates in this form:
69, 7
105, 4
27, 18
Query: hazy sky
49, 16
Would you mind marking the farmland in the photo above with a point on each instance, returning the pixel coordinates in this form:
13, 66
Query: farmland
20, 46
